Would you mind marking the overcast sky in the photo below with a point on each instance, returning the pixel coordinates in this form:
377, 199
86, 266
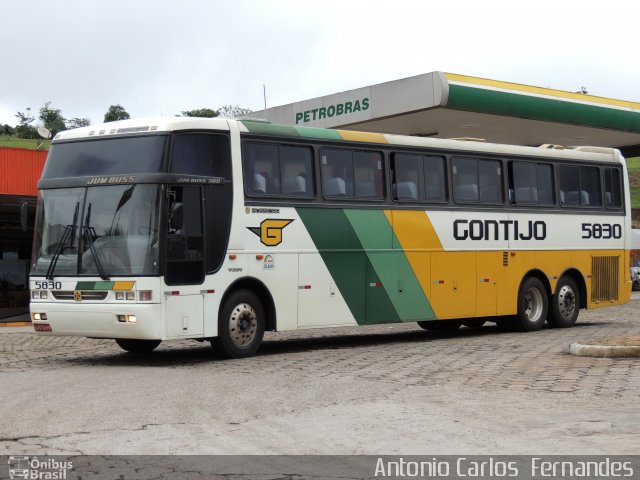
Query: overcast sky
158, 57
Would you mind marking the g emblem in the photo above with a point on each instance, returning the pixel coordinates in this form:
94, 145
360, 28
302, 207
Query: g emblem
270, 231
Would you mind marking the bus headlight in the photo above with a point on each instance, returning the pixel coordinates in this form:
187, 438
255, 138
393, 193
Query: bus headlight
131, 295
119, 295
38, 316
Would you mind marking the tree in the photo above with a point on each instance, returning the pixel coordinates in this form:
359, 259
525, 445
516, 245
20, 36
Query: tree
24, 128
233, 111
7, 129
115, 113
52, 119
201, 112
78, 122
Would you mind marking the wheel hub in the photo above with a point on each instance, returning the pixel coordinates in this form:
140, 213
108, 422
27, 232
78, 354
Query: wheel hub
243, 324
566, 301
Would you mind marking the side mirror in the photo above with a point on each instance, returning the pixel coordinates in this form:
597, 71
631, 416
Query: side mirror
24, 216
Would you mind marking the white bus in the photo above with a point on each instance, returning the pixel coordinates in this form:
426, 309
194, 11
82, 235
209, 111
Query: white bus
172, 228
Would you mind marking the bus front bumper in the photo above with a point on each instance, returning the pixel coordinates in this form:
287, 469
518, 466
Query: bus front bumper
134, 321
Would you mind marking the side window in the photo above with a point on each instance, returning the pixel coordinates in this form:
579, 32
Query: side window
579, 186
531, 183
185, 237
612, 191
408, 171
352, 174
477, 180
419, 177
272, 169
201, 154
296, 170
262, 168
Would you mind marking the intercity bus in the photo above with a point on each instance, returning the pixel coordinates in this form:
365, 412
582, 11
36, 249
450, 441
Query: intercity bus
213, 229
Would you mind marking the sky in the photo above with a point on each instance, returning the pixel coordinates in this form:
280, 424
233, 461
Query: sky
162, 57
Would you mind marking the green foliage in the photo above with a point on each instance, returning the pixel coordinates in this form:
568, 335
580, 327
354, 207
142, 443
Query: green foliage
115, 113
24, 128
52, 119
233, 111
201, 112
29, 144
7, 130
78, 122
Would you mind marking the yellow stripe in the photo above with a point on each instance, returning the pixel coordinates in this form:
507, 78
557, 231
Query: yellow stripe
418, 239
123, 286
15, 324
362, 136
485, 82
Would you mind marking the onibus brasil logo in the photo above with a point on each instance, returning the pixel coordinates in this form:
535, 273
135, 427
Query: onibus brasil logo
270, 231
40, 469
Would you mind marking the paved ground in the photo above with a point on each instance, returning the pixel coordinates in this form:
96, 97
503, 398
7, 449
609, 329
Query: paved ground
369, 390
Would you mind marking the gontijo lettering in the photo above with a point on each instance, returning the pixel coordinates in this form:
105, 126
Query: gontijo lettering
332, 111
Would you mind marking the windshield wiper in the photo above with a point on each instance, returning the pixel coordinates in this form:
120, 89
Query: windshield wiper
89, 236
68, 234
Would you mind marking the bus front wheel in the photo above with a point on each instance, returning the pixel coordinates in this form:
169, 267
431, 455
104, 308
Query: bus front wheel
565, 304
240, 326
532, 305
137, 346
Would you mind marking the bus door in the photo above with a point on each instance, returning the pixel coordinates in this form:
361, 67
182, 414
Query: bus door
184, 268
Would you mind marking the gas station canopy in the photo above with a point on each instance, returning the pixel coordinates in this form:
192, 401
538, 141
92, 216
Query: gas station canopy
446, 105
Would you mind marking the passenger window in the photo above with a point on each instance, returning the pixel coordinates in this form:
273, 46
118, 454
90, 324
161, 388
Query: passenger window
612, 192
418, 177
477, 180
579, 186
531, 183
272, 169
352, 174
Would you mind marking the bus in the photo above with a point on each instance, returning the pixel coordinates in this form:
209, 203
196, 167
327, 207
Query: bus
157, 229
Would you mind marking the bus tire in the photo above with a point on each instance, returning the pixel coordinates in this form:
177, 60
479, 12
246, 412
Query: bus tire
240, 326
137, 346
565, 304
440, 325
532, 305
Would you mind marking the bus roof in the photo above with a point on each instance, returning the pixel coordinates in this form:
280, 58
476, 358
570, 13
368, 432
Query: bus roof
168, 124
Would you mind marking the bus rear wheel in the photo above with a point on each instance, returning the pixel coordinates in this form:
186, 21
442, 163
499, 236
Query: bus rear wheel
137, 346
440, 325
565, 304
240, 326
532, 305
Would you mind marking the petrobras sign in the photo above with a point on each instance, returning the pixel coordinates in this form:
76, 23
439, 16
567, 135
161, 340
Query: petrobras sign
335, 110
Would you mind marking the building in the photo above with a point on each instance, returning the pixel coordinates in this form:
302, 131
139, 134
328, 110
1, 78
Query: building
447, 105
20, 170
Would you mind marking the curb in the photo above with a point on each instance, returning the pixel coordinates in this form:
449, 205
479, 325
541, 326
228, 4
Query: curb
15, 324
607, 351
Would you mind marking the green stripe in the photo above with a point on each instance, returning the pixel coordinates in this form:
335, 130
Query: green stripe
392, 267
348, 264
291, 131
536, 108
94, 285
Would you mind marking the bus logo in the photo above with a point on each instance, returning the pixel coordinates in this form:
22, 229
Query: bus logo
270, 231
77, 295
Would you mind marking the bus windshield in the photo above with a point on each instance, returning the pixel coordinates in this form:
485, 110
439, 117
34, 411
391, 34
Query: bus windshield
107, 156
98, 231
